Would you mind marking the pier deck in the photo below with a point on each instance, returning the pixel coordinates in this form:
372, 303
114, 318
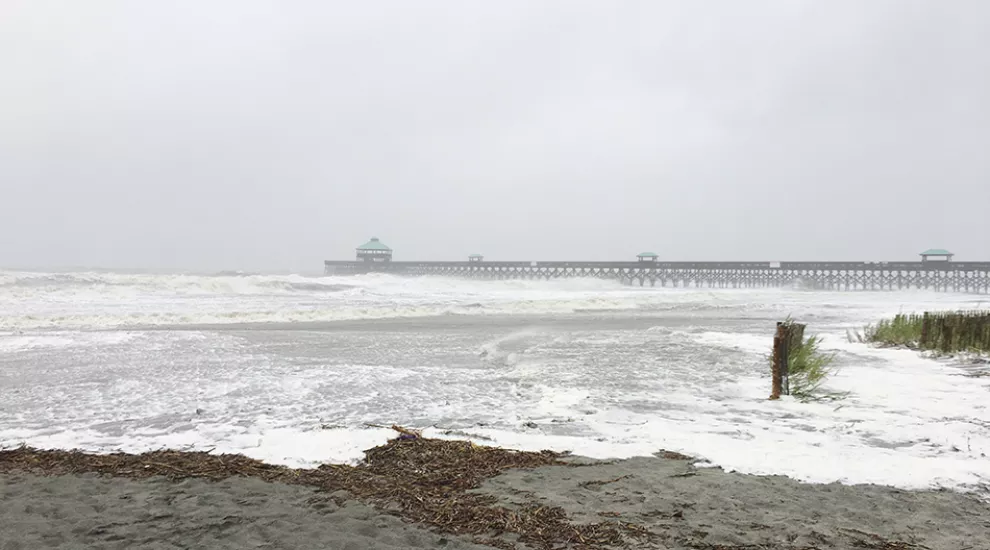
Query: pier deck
940, 276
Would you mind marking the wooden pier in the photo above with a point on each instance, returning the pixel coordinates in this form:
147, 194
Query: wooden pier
944, 276
935, 271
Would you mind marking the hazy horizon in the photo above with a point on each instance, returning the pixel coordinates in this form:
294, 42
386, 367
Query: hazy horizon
269, 136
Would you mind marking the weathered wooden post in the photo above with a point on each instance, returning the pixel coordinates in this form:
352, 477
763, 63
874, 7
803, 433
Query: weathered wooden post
779, 361
789, 337
925, 330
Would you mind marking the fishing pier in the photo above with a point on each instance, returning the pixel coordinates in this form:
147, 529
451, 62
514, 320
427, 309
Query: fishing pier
936, 271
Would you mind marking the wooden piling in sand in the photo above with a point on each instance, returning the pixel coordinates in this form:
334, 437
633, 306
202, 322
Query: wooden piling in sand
779, 361
789, 337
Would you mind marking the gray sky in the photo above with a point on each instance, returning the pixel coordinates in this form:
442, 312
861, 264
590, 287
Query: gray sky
241, 134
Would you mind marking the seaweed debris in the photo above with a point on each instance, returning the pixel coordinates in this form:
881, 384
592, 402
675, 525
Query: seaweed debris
420, 480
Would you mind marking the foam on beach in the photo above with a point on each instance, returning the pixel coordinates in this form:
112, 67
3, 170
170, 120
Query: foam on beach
676, 369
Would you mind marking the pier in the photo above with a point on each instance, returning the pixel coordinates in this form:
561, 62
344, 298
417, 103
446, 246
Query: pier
647, 270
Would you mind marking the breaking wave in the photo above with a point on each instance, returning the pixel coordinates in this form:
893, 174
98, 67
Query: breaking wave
226, 282
100, 300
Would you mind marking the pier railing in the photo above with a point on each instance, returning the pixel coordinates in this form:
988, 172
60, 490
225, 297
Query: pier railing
940, 276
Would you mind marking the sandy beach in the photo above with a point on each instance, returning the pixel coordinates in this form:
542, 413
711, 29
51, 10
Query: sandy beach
688, 507
442, 494
89, 511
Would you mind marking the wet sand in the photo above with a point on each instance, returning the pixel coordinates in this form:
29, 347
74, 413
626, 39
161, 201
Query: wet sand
88, 511
683, 507
690, 507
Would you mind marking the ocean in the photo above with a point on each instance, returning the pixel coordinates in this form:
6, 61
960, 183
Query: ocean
304, 370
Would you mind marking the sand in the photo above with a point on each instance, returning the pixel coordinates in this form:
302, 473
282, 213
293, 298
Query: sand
87, 511
692, 507
686, 507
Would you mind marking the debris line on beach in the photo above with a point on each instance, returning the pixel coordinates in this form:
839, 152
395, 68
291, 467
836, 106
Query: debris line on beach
427, 481
422, 480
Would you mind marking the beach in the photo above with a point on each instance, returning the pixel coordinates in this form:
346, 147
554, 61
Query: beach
310, 373
62, 500
92, 512
658, 275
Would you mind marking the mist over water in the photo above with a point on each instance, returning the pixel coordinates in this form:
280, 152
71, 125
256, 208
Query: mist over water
294, 370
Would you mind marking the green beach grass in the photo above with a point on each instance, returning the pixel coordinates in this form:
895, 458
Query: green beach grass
944, 332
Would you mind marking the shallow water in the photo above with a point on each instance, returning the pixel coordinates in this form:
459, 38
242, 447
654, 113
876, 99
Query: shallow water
294, 370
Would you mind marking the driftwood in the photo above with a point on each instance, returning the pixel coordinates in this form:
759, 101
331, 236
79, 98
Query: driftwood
407, 433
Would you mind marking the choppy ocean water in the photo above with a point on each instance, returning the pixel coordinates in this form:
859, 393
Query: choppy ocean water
298, 370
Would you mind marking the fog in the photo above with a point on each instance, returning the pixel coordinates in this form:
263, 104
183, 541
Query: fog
241, 134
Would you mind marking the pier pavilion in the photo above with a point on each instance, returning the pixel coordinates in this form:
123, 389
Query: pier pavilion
374, 251
939, 255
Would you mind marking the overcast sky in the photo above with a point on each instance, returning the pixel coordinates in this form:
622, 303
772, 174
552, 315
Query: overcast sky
241, 134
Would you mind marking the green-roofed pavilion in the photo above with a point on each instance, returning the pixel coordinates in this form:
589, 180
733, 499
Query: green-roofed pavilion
940, 255
476, 258
647, 256
374, 251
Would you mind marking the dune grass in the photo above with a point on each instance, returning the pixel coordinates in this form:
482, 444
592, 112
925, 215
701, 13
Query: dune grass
809, 367
944, 332
901, 330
